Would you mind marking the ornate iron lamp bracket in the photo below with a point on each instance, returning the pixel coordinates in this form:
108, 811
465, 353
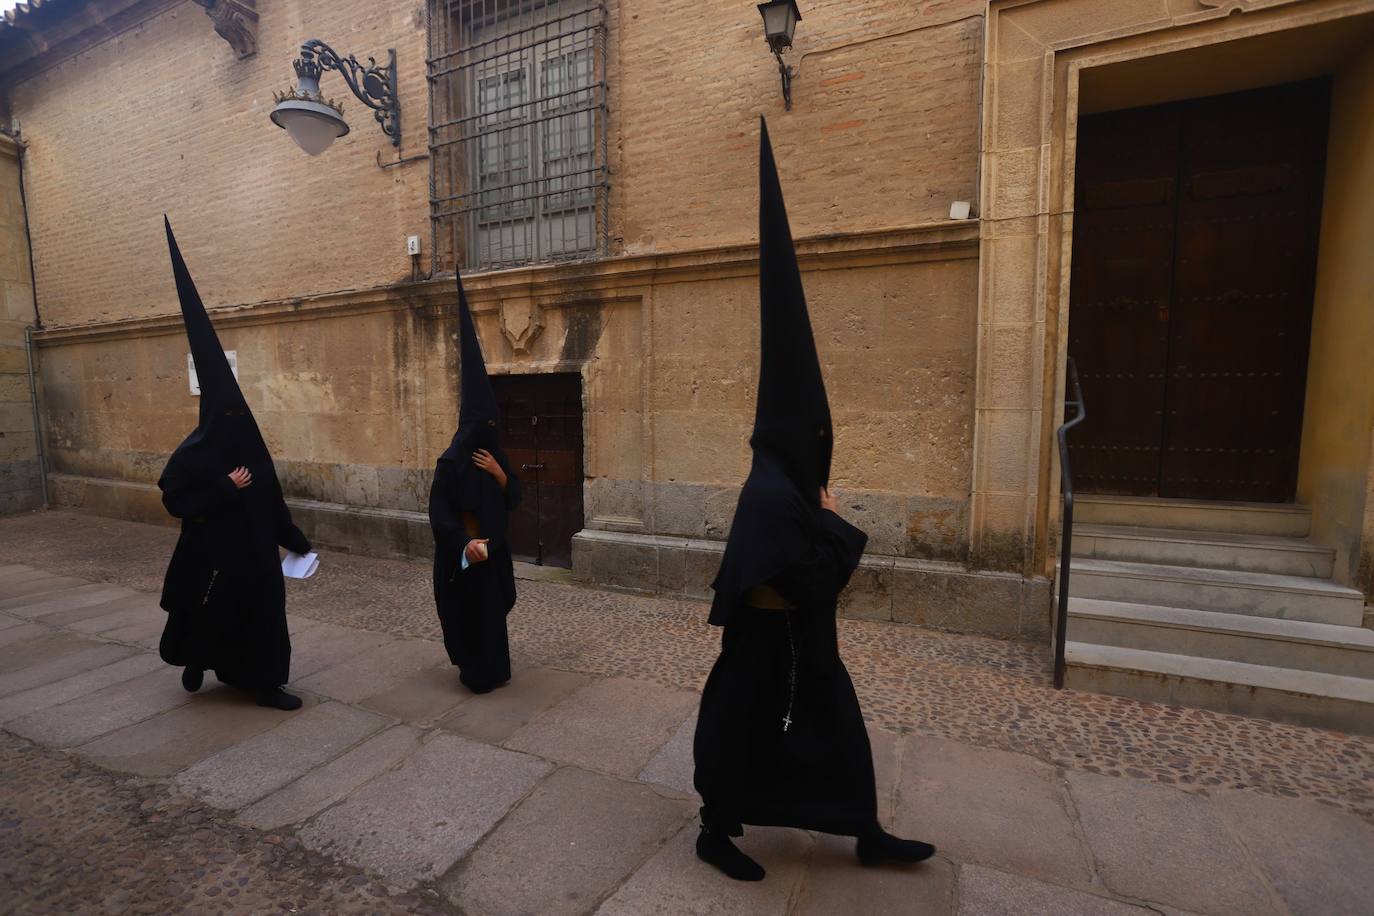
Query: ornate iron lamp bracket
785, 71
374, 86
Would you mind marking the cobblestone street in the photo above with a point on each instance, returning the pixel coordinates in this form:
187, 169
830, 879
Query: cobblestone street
569, 791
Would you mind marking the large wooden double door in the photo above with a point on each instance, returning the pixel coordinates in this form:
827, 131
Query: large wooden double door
1194, 261
541, 418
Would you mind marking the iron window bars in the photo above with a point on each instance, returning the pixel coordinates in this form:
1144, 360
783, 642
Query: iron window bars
517, 136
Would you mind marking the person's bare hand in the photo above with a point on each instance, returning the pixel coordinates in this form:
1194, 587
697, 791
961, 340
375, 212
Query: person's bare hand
476, 551
828, 500
484, 460
241, 477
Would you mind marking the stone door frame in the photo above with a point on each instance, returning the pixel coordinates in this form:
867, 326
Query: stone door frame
1036, 52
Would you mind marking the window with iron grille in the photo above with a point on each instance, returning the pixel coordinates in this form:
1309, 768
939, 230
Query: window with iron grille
517, 135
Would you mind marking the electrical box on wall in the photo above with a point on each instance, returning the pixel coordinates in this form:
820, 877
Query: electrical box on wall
413, 245
231, 355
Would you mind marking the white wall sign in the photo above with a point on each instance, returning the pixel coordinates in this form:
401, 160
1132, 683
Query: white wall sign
233, 357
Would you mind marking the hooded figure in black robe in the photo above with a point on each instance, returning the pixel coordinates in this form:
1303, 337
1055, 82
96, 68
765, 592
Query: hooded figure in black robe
780, 740
469, 505
223, 593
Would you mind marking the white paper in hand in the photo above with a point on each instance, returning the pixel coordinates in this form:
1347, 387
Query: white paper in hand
296, 566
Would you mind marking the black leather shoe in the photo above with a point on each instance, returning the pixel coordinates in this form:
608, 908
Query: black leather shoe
879, 846
192, 678
716, 849
276, 698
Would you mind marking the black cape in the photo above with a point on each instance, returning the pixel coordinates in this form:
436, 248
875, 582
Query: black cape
780, 739
473, 603
223, 592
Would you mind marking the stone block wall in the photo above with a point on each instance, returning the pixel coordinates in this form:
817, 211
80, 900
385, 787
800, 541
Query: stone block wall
21, 486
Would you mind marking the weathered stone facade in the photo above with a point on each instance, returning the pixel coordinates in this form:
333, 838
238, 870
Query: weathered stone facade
942, 340
20, 477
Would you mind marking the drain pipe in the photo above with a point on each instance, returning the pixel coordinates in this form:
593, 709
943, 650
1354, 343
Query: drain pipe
37, 422
21, 148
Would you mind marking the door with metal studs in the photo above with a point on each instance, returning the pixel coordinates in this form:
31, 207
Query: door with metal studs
541, 417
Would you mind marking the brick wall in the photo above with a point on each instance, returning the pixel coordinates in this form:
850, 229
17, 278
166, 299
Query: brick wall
164, 118
883, 130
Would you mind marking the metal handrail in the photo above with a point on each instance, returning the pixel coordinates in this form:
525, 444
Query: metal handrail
1061, 624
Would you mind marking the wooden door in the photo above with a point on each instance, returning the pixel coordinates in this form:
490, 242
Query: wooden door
541, 418
1195, 240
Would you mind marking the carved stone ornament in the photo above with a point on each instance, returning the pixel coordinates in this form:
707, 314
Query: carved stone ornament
521, 322
236, 21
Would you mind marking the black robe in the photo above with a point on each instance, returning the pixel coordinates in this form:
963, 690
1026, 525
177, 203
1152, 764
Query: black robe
473, 603
817, 772
223, 592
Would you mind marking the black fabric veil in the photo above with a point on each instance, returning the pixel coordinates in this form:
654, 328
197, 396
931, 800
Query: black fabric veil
479, 420
226, 436
776, 520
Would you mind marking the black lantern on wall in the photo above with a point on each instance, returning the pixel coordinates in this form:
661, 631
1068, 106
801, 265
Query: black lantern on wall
780, 18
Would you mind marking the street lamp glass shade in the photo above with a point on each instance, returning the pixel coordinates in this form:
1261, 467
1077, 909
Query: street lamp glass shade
313, 125
780, 18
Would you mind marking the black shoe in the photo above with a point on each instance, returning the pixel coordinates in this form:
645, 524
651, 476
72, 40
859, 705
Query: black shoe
716, 849
276, 698
880, 846
192, 678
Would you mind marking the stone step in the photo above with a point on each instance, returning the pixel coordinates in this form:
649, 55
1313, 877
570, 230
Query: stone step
1321, 647
1231, 591
1305, 697
1263, 553
1194, 515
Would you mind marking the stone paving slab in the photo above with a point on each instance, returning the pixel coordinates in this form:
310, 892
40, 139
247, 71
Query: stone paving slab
613, 726
116, 618
673, 765
88, 717
17, 591
991, 807
422, 697
49, 603
78, 685
164, 745
413, 823
329, 644
676, 883
887, 755
1319, 860
570, 843
835, 882
1158, 844
310, 738
505, 711
987, 892
7, 621
145, 633
70, 616
54, 664
22, 632
313, 792
371, 672
38, 646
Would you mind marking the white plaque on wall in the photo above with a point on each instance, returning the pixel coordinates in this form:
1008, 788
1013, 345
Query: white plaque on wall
231, 355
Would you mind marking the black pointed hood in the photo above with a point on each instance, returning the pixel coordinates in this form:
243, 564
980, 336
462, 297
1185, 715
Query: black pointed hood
473, 490
792, 418
226, 435
219, 390
778, 518
478, 414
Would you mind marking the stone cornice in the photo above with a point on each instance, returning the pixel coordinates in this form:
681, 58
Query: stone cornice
561, 285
